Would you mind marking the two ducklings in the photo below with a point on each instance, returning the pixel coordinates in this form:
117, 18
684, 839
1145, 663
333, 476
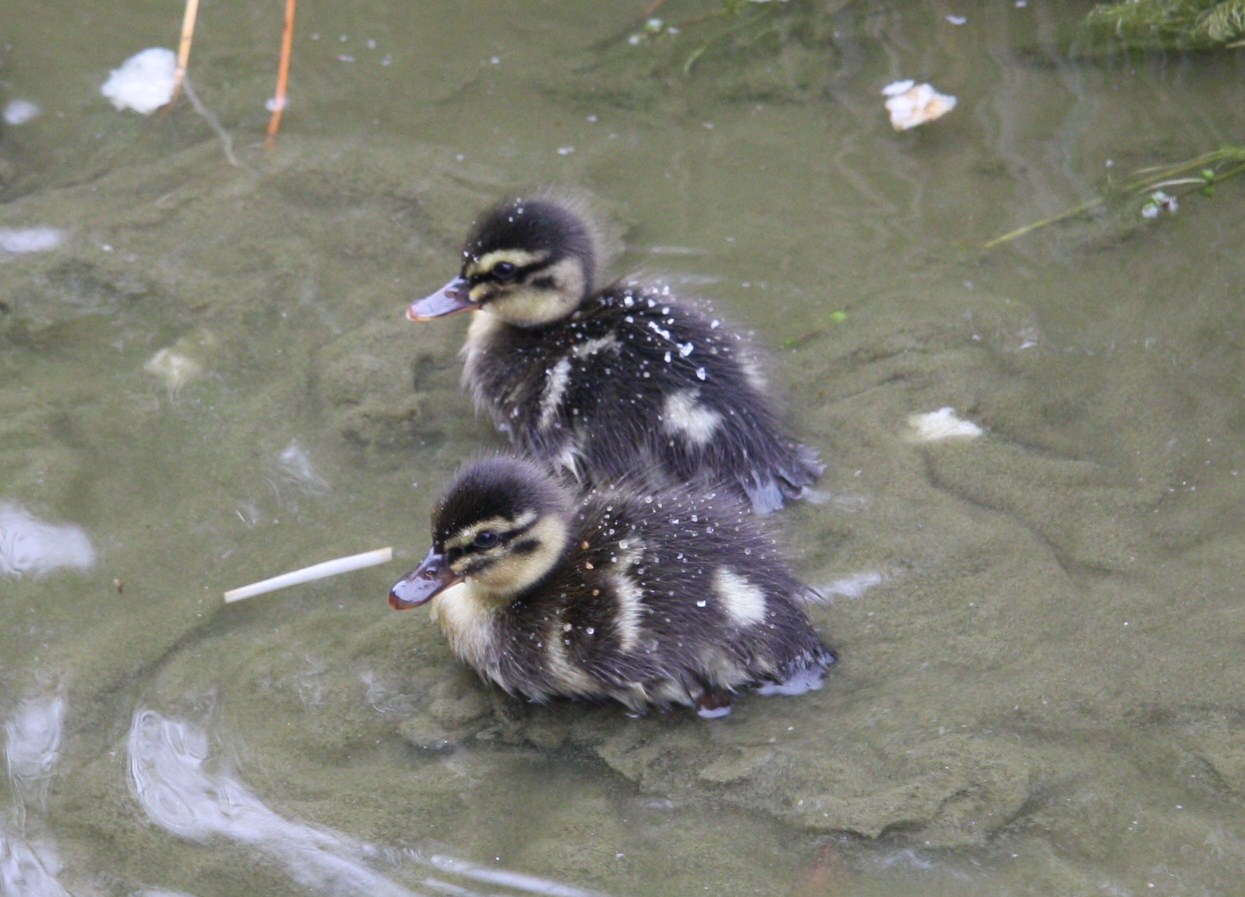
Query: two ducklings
652, 584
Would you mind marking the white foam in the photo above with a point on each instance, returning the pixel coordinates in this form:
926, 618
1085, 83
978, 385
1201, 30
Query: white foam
29, 545
144, 82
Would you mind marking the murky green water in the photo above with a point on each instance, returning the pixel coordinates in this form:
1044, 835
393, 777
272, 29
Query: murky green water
1040, 688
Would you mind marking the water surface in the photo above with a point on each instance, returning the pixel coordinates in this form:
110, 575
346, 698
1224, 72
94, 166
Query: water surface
207, 378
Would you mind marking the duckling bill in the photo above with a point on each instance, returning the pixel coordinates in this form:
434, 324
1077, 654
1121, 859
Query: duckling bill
648, 600
606, 382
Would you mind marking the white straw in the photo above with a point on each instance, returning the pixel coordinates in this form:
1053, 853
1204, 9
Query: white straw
312, 573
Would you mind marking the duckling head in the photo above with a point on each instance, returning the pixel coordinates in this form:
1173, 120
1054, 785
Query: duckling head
501, 526
529, 262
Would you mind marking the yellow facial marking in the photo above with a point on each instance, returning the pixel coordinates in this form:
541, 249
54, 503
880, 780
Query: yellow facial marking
549, 296
512, 572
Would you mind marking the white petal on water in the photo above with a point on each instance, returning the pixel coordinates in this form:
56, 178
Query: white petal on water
911, 104
29, 545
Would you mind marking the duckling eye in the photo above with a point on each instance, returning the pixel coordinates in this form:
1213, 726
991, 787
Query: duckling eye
504, 271
486, 539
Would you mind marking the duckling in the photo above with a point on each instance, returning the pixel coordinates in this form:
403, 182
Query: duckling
606, 382
678, 598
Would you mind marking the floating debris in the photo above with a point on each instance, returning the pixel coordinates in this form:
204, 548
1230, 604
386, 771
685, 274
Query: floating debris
144, 82
942, 424
312, 573
1160, 201
173, 368
911, 104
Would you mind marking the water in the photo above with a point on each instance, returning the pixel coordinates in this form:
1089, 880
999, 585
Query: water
206, 379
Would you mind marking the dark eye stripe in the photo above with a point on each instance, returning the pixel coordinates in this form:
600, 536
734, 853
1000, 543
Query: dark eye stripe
521, 273
525, 546
504, 537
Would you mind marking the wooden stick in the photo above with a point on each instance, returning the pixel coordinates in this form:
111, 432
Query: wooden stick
312, 573
183, 50
283, 74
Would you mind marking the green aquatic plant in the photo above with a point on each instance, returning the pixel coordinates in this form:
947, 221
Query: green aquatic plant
1173, 24
1154, 189
751, 19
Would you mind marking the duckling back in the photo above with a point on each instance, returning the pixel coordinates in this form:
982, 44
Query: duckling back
604, 384
634, 380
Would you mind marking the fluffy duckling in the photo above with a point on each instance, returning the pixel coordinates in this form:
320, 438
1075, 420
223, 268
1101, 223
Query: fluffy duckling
650, 600
604, 383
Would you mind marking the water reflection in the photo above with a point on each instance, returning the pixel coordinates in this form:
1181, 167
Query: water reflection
29, 545
29, 865
23, 240
32, 747
27, 870
168, 776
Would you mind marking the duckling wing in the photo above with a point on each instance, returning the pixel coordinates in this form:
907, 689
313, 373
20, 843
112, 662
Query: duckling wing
634, 381
702, 404
687, 598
